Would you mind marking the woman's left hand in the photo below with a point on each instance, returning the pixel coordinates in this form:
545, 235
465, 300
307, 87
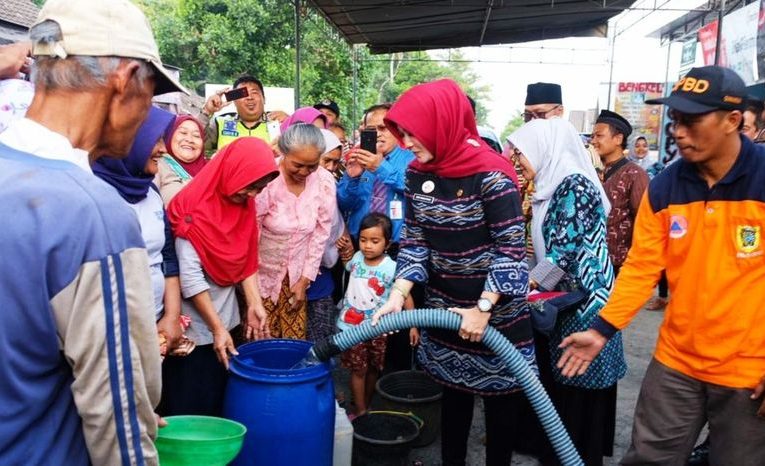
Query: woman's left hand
298, 294
473, 324
414, 337
256, 327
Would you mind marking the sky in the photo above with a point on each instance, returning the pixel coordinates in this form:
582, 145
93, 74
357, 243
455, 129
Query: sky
580, 65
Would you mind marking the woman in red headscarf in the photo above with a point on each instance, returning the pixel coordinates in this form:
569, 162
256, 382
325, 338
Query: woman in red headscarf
463, 240
215, 225
184, 158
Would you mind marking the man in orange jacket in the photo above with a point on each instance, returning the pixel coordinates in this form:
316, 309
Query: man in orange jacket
702, 219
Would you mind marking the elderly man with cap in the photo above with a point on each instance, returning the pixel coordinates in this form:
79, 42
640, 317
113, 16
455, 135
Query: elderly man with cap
81, 368
702, 220
330, 109
624, 182
543, 100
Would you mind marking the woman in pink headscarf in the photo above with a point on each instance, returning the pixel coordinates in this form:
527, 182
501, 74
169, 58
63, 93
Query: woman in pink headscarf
307, 115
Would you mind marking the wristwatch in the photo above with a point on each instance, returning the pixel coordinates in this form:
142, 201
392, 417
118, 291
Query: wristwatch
485, 305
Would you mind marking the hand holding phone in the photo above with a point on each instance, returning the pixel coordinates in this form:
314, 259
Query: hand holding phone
236, 94
369, 140
215, 103
369, 160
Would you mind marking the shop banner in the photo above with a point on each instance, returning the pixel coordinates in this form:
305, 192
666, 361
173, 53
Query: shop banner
708, 40
739, 37
645, 119
688, 56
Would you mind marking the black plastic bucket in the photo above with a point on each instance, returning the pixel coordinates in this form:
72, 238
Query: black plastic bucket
415, 392
383, 438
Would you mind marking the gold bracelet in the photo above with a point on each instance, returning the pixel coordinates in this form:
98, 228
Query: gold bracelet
401, 292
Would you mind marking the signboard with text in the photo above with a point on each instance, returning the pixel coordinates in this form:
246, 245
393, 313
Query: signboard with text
688, 56
739, 42
645, 119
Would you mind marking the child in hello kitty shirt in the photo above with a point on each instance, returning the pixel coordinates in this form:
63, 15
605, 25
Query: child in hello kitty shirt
372, 273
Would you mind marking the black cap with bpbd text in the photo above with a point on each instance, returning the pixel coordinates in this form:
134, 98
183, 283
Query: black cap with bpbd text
706, 89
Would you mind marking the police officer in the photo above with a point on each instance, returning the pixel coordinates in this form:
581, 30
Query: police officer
249, 119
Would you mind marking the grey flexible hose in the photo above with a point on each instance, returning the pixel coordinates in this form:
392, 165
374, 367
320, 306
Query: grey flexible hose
441, 318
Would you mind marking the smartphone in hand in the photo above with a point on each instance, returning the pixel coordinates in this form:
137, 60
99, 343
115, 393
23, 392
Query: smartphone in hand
236, 94
369, 140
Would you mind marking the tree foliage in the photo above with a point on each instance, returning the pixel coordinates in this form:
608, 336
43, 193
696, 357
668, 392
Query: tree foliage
514, 123
217, 40
400, 71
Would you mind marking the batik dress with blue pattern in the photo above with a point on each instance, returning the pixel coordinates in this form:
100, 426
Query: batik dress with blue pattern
463, 236
574, 229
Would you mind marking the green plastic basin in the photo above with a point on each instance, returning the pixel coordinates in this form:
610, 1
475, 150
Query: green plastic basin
195, 440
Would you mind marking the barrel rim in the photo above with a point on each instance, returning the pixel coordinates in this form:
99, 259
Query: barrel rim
398, 399
405, 441
248, 371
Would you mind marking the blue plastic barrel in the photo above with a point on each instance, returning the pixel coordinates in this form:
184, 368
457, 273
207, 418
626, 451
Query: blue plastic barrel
289, 413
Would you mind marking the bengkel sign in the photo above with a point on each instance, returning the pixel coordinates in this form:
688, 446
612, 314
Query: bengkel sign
642, 87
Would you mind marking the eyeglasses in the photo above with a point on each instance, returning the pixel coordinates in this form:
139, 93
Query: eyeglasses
528, 116
686, 119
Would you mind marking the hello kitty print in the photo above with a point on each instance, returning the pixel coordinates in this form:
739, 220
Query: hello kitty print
368, 289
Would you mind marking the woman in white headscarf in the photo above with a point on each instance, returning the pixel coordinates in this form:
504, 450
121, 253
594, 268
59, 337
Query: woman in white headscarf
568, 229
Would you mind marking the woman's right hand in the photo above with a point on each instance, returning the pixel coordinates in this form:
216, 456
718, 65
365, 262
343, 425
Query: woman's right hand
256, 326
223, 344
394, 304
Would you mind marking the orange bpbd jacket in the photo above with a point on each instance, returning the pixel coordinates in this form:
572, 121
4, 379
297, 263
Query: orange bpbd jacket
710, 241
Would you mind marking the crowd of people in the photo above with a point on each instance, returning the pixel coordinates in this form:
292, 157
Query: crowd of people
143, 247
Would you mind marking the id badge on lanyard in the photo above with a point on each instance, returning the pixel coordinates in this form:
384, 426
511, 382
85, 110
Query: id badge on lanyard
396, 210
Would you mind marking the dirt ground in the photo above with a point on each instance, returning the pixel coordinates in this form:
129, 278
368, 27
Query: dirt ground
639, 341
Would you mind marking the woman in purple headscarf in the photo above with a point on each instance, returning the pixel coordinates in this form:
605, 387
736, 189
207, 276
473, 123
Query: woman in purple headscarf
133, 179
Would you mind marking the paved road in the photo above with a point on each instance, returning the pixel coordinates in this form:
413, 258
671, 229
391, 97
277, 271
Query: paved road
639, 341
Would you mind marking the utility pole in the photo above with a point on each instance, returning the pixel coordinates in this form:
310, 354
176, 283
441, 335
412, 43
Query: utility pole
298, 53
718, 45
611, 71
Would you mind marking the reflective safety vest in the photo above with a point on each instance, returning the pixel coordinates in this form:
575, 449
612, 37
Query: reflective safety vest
231, 128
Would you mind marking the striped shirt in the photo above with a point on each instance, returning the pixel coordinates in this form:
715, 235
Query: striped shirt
80, 369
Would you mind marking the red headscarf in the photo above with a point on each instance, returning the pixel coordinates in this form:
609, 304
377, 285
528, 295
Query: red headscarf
439, 115
224, 233
192, 168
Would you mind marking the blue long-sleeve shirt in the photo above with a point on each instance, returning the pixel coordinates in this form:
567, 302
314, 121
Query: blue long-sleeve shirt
354, 195
80, 369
